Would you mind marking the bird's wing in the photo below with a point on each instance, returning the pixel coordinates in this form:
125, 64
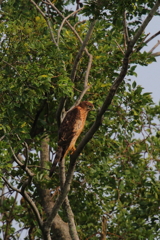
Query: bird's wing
67, 128
66, 134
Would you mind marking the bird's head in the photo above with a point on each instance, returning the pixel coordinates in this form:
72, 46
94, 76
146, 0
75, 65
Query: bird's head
86, 105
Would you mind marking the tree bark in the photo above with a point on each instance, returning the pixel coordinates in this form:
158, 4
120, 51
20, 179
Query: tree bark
59, 228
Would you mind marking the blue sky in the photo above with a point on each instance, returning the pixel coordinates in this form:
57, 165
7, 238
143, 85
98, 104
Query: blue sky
149, 76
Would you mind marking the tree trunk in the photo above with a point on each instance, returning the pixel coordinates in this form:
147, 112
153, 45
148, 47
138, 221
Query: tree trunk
59, 229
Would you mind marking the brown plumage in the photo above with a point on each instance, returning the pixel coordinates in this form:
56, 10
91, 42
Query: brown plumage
69, 131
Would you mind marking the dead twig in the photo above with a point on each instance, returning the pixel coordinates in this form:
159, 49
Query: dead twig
63, 22
154, 47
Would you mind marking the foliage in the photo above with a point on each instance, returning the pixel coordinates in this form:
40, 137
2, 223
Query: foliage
116, 176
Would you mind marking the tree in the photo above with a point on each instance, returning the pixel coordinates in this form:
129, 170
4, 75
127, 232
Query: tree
51, 59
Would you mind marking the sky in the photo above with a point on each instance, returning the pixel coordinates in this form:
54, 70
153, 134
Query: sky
149, 76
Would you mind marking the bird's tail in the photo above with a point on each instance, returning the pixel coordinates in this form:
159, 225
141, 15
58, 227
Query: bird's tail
57, 159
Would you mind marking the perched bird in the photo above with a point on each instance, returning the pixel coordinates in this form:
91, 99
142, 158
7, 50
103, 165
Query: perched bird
69, 131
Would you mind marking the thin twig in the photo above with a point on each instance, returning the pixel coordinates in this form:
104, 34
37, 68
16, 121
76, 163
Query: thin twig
141, 44
157, 54
10, 185
64, 20
154, 47
153, 36
47, 21
82, 48
26, 151
2, 137
10, 219
119, 47
75, 25
12, 67
126, 36
70, 26
32, 204
51, 32
27, 155
39, 10
26, 169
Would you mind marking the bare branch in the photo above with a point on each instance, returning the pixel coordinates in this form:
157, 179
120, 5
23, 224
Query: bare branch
51, 32
2, 137
47, 20
126, 36
70, 26
44, 152
75, 25
61, 198
10, 218
39, 10
80, 97
155, 46
10, 185
79, 55
86, 86
104, 226
70, 215
119, 47
141, 44
26, 154
71, 222
157, 54
59, 31
32, 204
153, 36
16, 158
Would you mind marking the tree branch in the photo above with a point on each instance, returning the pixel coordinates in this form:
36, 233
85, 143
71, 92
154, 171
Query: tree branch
111, 93
145, 23
47, 21
148, 40
154, 47
33, 207
82, 48
60, 199
10, 218
71, 222
153, 36
64, 20
70, 26
10, 185
25, 168
39, 10
126, 36
70, 215
157, 54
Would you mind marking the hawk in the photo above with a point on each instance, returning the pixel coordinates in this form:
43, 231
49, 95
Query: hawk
69, 131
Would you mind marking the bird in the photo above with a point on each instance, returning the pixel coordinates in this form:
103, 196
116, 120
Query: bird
69, 131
